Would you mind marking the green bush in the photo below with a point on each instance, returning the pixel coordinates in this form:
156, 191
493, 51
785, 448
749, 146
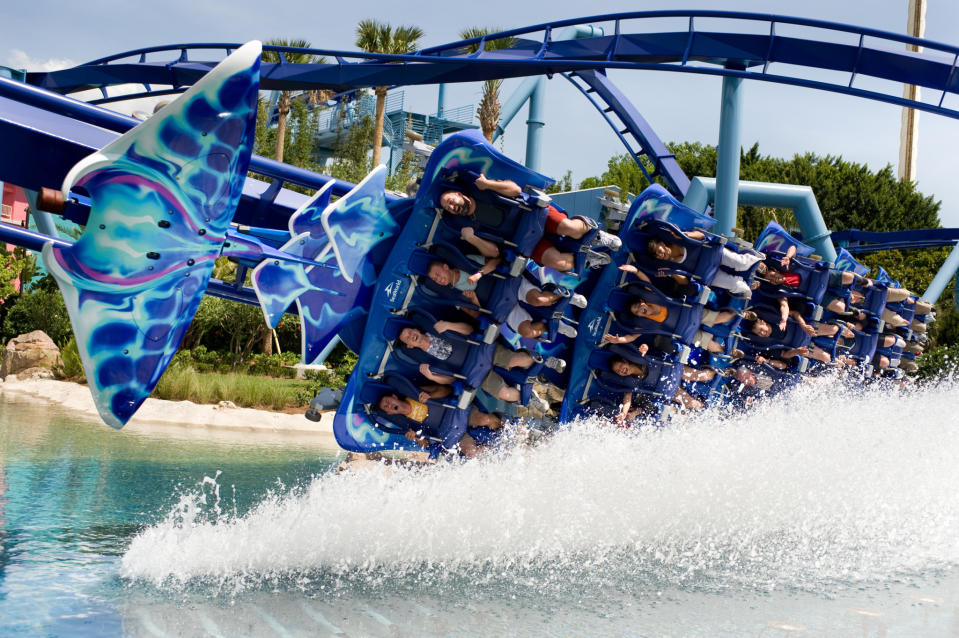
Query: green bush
71, 367
939, 361
273, 365
38, 310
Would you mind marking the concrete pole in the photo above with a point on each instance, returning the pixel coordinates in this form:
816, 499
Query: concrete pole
909, 130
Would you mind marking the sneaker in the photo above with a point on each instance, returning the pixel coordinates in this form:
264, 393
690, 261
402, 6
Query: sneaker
595, 259
607, 240
555, 363
578, 300
566, 330
537, 402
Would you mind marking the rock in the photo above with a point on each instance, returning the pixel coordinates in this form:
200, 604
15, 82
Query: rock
36, 373
226, 405
32, 350
10, 378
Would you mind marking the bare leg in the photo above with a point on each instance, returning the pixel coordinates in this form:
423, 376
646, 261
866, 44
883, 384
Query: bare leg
687, 400
826, 330
836, 305
820, 355
542, 298
508, 394
573, 227
468, 447
693, 374
479, 419
563, 262
521, 359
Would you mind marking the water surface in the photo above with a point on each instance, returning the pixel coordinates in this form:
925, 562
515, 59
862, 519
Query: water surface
829, 513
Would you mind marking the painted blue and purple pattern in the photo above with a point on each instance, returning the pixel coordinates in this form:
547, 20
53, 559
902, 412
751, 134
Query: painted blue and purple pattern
162, 197
339, 237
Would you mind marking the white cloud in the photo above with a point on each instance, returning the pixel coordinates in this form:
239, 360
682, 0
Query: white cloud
17, 59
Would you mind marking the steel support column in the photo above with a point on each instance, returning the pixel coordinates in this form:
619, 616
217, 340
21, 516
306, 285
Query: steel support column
727, 156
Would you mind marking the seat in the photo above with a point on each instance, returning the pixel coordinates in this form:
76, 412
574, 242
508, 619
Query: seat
517, 223
813, 278
681, 322
470, 360
662, 377
794, 336
496, 291
703, 256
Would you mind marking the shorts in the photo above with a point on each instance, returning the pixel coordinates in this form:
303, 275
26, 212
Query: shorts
517, 316
709, 317
502, 356
835, 278
702, 339
524, 288
554, 217
493, 383
541, 247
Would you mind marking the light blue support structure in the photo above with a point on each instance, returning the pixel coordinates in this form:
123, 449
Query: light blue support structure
942, 278
441, 100
800, 199
534, 90
727, 159
535, 123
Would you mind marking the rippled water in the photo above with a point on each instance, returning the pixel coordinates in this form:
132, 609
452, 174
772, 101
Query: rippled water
828, 513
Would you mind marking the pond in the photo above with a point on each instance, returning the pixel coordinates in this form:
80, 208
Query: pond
829, 512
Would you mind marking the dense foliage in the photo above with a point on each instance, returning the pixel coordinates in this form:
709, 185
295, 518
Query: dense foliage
850, 195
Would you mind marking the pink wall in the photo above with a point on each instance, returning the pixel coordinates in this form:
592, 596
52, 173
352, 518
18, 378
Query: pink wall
14, 210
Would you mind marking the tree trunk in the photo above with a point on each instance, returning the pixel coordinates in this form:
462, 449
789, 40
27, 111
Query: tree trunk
282, 110
267, 340
378, 128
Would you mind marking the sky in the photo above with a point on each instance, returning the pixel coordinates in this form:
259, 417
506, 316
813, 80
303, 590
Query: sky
47, 34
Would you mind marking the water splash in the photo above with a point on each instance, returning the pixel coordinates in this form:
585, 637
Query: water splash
826, 487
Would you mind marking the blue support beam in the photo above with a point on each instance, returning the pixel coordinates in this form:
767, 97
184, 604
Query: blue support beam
800, 199
727, 155
844, 50
942, 278
535, 123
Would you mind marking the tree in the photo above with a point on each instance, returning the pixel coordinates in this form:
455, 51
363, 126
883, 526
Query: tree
352, 163
283, 103
379, 37
489, 107
849, 194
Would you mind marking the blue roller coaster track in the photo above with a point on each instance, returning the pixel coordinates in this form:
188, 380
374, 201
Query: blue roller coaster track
823, 55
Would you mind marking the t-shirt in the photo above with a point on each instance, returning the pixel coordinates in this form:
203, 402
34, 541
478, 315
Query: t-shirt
439, 348
660, 316
418, 411
462, 284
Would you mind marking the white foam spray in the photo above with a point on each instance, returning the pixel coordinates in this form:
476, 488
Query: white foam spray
827, 485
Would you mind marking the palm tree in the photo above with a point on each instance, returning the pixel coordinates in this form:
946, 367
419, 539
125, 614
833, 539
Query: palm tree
489, 107
284, 102
380, 37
